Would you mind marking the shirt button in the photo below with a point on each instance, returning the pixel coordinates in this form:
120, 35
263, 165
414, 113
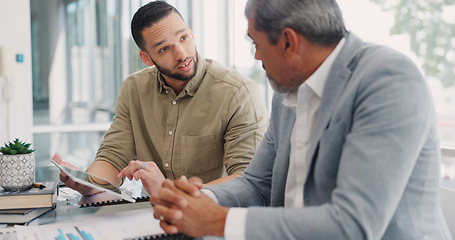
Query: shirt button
170, 133
174, 102
166, 164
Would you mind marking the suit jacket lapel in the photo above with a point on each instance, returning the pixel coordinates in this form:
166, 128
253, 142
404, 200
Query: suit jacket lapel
280, 170
336, 82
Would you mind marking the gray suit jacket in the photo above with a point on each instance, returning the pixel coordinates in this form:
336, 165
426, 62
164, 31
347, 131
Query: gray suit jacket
374, 171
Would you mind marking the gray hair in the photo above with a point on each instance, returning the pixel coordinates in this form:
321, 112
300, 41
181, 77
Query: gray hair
319, 21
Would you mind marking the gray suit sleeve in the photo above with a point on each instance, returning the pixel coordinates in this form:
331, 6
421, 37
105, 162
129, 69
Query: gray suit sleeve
253, 187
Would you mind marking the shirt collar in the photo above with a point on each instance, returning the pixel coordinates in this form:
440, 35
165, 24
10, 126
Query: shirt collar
318, 79
194, 83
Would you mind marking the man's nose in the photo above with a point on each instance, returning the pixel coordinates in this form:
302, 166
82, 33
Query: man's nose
256, 55
180, 52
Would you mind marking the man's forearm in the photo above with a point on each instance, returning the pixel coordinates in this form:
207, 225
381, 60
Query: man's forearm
106, 171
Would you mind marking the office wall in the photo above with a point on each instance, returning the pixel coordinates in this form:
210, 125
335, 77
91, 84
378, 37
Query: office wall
15, 33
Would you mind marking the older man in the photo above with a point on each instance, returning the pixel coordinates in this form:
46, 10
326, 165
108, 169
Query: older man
351, 151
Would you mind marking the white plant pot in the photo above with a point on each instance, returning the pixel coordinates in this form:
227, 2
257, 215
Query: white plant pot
17, 172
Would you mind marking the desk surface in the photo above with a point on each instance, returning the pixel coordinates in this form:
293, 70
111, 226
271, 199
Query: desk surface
127, 219
68, 209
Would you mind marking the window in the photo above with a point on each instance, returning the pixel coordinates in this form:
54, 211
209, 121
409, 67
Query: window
244, 51
82, 51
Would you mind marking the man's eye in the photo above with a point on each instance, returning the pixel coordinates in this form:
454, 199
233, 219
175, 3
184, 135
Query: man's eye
184, 38
162, 50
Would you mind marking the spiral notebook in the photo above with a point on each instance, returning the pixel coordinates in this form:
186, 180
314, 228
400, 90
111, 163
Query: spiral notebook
104, 199
177, 236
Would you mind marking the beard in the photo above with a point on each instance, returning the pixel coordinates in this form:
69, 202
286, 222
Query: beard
276, 87
291, 83
177, 76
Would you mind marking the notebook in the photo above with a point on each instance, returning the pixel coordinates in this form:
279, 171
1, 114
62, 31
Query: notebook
23, 218
103, 199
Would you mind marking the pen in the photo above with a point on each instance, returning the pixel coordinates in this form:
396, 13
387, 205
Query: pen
38, 185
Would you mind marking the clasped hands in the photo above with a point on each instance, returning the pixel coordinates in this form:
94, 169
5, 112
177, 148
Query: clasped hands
181, 207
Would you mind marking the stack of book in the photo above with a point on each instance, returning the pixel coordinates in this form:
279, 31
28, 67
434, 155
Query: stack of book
21, 207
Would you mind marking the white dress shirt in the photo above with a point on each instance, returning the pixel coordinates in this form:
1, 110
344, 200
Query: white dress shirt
305, 101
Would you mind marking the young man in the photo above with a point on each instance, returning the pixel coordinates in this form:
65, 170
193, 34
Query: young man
351, 151
183, 115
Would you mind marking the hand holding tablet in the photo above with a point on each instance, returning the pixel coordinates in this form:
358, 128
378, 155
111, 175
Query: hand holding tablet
81, 177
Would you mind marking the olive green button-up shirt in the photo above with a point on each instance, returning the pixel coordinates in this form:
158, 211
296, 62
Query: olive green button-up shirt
212, 127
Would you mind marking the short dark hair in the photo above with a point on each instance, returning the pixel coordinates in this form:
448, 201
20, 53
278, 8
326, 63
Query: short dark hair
319, 21
146, 16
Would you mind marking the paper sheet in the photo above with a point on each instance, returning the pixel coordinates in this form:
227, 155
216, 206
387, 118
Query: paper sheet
118, 225
8, 234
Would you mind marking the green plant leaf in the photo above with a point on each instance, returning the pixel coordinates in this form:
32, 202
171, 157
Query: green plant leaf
16, 147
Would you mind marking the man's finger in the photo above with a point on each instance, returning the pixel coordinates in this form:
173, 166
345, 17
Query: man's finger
63, 176
57, 158
171, 197
196, 181
139, 174
167, 214
122, 173
183, 184
171, 229
130, 170
155, 200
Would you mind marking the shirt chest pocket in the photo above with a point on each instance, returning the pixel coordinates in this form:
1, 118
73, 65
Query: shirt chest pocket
201, 154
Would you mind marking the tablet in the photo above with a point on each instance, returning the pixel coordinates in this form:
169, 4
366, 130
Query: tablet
80, 177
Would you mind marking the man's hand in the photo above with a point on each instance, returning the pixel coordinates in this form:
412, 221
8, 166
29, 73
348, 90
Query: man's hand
82, 189
182, 207
147, 172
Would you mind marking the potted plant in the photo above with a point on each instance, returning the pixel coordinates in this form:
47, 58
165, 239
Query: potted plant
17, 165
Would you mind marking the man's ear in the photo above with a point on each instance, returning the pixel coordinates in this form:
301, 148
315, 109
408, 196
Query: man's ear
289, 40
146, 58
